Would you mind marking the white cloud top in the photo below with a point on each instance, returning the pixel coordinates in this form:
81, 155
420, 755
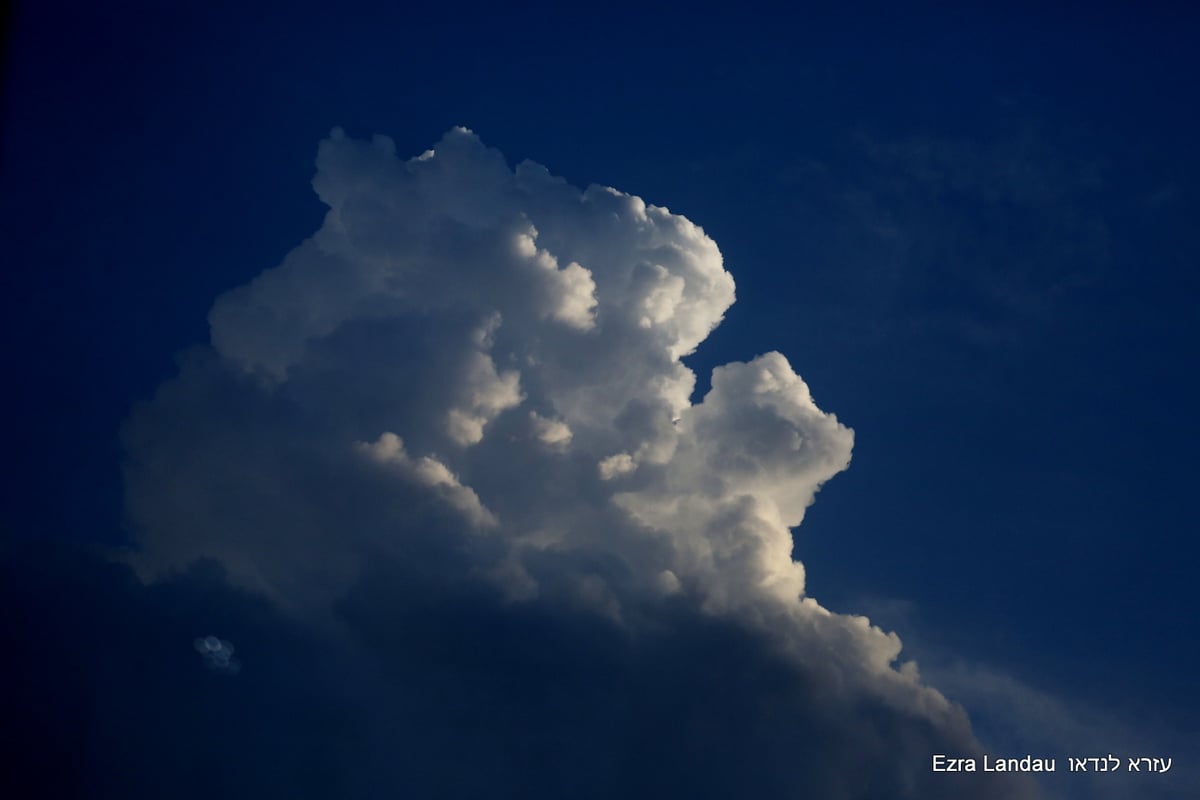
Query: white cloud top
464, 348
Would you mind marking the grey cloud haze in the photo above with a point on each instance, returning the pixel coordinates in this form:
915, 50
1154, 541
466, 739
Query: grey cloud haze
451, 438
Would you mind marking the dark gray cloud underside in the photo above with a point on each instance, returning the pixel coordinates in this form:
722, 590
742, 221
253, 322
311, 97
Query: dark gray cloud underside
457, 697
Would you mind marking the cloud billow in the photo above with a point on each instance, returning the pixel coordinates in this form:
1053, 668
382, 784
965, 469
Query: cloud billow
452, 432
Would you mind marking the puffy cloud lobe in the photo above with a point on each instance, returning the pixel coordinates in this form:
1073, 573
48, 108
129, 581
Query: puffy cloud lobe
749, 461
430, 473
550, 432
472, 373
571, 290
615, 465
486, 394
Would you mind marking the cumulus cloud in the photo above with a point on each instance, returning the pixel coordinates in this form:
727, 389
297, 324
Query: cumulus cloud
464, 394
614, 465
550, 432
432, 474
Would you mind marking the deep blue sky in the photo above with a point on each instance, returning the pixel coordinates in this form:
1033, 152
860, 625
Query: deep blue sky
971, 233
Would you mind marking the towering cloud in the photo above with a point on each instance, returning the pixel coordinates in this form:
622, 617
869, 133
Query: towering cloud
452, 433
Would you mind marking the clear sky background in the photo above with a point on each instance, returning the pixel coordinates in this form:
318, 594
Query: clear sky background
972, 233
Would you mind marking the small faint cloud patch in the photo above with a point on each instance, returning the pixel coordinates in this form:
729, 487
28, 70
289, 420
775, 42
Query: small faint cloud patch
217, 654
